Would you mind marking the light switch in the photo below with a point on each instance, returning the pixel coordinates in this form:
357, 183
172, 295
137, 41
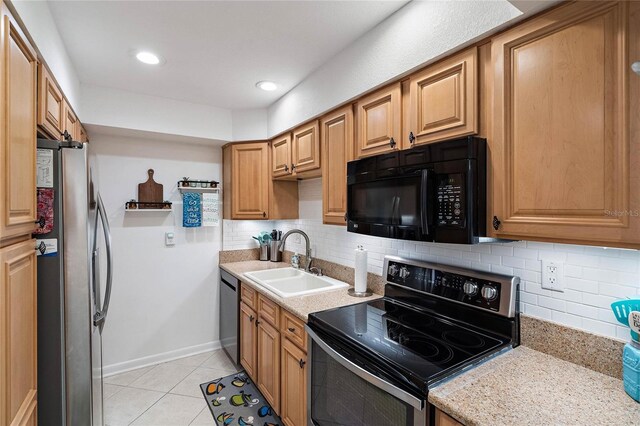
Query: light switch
169, 239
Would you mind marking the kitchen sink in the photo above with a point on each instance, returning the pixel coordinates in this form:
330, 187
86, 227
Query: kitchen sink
289, 282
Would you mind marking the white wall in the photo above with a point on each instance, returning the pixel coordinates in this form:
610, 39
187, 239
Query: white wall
39, 21
118, 108
417, 34
594, 276
165, 299
249, 124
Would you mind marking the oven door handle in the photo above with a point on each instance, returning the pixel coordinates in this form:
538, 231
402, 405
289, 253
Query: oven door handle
403, 396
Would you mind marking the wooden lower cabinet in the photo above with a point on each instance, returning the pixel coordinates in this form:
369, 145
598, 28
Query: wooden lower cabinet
443, 419
269, 363
273, 353
18, 334
248, 340
293, 398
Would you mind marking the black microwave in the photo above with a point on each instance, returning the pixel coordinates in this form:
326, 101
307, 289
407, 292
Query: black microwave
434, 192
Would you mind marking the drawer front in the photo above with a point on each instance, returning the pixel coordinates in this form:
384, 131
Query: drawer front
248, 296
269, 311
293, 328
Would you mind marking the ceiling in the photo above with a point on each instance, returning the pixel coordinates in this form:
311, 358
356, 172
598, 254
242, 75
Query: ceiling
215, 51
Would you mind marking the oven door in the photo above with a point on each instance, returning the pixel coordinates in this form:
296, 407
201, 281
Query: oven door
400, 206
345, 390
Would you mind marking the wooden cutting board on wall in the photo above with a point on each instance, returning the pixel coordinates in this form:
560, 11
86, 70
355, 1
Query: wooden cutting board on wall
150, 192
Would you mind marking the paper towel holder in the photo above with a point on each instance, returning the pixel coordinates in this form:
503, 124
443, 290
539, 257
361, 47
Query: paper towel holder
353, 293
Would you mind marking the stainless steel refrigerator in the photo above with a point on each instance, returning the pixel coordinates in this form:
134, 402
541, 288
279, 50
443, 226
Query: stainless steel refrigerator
74, 287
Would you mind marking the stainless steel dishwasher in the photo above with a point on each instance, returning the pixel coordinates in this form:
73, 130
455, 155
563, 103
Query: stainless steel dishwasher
229, 319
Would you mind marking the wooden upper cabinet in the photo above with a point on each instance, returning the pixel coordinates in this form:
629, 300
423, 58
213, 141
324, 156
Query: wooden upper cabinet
84, 137
71, 123
337, 150
281, 156
564, 167
18, 322
379, 121
268, 380
51, 120
306, 149
248, 340
250, 175
293, 401
18, 78
444, 99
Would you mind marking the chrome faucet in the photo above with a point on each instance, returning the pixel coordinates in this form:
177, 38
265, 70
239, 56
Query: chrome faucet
308, 244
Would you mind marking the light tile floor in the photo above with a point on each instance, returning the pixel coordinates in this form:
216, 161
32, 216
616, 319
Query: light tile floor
166, 394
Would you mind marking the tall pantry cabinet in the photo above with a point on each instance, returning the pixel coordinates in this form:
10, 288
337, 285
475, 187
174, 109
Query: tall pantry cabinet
18, 86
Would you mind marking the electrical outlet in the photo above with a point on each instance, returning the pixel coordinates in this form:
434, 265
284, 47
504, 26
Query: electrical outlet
553, 275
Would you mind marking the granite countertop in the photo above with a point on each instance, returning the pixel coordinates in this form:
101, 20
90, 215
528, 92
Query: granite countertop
527, 387
301, 306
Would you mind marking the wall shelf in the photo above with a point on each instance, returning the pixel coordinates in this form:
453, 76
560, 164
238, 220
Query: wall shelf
184, 189
147, 210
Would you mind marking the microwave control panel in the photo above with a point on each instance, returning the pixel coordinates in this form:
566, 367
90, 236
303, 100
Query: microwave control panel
451, 200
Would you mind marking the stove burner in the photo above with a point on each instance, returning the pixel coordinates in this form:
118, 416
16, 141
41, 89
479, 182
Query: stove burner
463, 338
432, 350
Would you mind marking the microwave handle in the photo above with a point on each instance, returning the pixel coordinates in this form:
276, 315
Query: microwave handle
425, 202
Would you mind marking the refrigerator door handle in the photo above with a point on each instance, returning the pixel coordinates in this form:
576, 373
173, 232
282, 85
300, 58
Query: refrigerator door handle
101, 315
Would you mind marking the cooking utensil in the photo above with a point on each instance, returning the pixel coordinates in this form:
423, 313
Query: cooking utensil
622, 309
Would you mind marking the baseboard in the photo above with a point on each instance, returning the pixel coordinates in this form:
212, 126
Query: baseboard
123, 367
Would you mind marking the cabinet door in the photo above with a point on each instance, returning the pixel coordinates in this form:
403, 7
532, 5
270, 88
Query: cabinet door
18, 77
50, 104
293, 404
281, 156
251, 175
306, 148
337, 145
444, 101
18, 322
248, 340
269, 363
562, 158
71, 123
443, 419
379, 121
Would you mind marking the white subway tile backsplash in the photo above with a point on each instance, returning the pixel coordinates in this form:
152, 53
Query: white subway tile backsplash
594, 276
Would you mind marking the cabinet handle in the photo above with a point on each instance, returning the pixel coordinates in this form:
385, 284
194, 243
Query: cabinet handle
251, 318
496, 223
412, 138
392, 143
302, 363
293, 167
257, 322
345, 217
286, 168
264, 214
42, 222
635, 67
291, 329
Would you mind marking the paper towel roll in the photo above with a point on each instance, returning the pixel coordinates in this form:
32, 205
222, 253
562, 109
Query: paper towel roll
361, 270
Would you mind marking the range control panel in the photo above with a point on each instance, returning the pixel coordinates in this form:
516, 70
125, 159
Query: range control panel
460, 286
451, 200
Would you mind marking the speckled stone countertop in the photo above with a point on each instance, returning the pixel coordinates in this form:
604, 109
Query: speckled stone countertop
301, 306
527, 387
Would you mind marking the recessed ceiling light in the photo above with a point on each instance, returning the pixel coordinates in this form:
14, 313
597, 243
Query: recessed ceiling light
148, 58
266, 85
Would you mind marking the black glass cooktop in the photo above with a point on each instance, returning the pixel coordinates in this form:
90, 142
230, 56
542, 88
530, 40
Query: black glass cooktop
424, 347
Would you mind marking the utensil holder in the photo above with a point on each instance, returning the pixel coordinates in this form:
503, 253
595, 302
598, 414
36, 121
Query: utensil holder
276, 255
264, 251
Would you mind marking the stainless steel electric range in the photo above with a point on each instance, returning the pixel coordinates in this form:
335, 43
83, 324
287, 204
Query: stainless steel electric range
373, 363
